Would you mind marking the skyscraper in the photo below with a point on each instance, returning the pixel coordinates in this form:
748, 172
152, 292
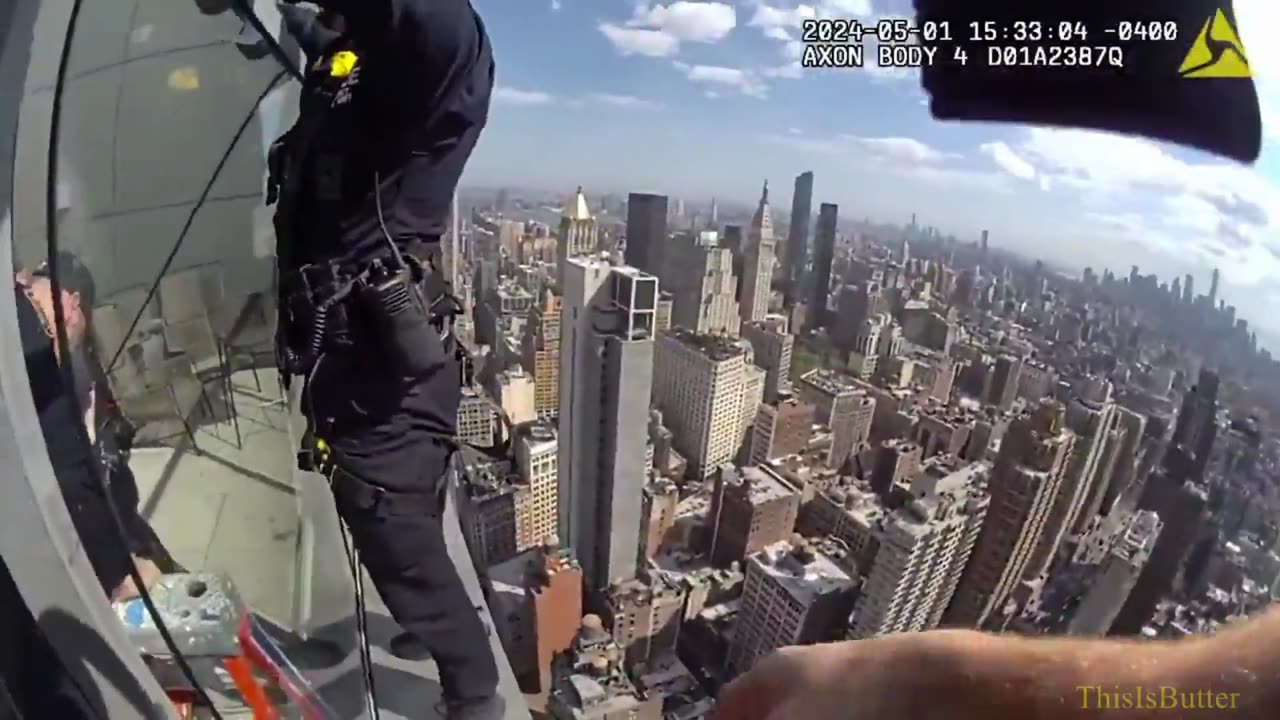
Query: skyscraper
702, 284
700, 388
646, 232
578, 232
1024, 483
824, 252
772, 345
1195, 430
542, 353
1092, 423
760, 255
1116, 575
606, 360
792, 594
798, 236
1213, 288
923, 548
1182, 508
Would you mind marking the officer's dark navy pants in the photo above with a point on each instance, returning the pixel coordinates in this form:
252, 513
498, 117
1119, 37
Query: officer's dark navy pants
400, 539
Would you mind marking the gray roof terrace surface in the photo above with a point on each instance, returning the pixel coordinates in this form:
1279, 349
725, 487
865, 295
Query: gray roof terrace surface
764, 484
716, 347
804, 578
830, 382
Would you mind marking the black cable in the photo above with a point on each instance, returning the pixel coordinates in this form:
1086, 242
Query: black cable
362, 621
64, 354
191, 216
281, 55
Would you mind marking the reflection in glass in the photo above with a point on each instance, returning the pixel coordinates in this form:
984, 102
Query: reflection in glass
167, 386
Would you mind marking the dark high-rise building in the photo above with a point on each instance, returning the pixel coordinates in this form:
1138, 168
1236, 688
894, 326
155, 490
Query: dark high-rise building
1181, 507
646, 232
984, 241
1004, 381
734, 239
1195, 429
824, 252
798, 235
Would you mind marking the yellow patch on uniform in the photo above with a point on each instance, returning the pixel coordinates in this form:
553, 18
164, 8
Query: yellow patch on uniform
342, 64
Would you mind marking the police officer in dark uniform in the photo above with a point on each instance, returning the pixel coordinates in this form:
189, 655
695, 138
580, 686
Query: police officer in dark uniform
38, 681
79, 461
394, 96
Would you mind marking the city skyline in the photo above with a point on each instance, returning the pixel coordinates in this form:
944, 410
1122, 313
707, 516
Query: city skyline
615, 97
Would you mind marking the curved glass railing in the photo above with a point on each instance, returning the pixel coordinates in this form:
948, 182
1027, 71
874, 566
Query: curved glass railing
140, 151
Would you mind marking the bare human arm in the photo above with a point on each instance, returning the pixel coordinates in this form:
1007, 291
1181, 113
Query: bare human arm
965, 675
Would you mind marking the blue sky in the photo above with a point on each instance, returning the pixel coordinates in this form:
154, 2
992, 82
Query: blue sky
702, 99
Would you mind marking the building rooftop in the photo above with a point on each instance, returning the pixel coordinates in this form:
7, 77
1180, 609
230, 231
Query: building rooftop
764, 484
716, 347
858, 502
693, 505
589, 680
948, 414
510, 289
942, 490
577, 208
638, 590
1138, 537
526, 569
803, 572
830, 382
540, 438
487, 478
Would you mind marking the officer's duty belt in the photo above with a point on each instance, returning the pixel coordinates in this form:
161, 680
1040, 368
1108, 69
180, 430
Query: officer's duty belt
320, 275
354, 491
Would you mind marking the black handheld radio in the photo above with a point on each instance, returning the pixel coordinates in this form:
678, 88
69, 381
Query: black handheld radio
394, 304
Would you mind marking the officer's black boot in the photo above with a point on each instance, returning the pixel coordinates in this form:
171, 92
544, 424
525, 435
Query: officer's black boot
491, 708
407, 646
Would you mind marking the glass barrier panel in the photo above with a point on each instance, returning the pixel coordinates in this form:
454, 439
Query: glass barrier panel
163, 249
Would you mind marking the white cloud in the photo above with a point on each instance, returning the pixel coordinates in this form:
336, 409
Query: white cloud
1210, 213
770, 18
887, 150
855, 8
744, 81
658, 30
512, 96
903, 157
688, 21
625, 101
556, 5
1256, 18
1009, 161
777, 33
900, 150
632, 41
790, 71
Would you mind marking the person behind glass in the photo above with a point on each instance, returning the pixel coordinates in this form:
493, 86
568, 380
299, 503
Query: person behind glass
395, 95
78, 455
